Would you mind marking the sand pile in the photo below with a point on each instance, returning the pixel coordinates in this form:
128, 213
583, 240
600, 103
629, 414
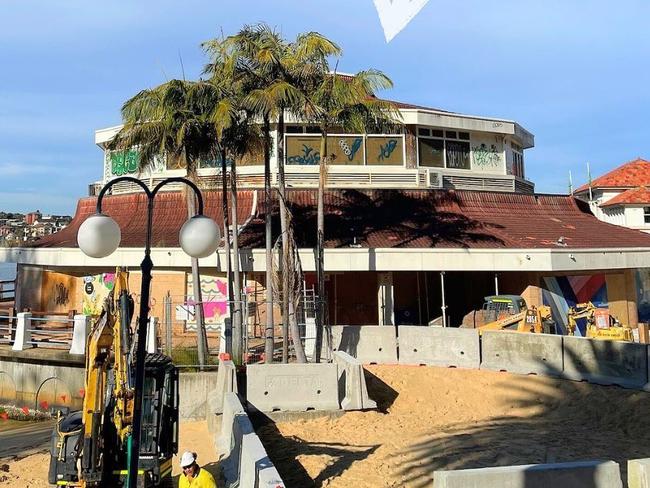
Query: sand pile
31, 471
453, 419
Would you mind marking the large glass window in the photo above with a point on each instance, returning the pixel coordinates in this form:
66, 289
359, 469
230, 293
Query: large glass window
646, 215
385, 150
432, 153
444, 149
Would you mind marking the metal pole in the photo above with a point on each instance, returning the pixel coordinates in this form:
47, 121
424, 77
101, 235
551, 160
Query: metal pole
444, 306
496, 283
146, 267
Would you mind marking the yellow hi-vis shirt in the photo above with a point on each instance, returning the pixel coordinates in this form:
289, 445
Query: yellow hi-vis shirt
202, 480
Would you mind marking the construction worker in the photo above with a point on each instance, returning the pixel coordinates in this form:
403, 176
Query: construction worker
193, 475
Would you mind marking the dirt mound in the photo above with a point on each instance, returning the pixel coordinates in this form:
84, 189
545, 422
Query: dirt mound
433, 418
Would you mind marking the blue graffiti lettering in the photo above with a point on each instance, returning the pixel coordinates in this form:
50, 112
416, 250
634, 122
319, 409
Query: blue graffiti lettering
387, 149
350, 152
308, 157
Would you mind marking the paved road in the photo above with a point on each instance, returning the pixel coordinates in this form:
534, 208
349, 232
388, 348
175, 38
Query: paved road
20, 439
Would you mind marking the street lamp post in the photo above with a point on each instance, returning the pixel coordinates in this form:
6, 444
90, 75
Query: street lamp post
99, 236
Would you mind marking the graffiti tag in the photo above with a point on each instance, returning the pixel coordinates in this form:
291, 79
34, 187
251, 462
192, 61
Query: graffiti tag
124, 163
387, 149
308, 157
350, 152
485, 156
61, 294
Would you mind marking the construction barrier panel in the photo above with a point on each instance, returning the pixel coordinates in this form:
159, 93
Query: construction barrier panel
370, 344
638, 473
244, 461
226, 383
588, 474
439, 346
606, 362
292, 387
352, 388
522, 353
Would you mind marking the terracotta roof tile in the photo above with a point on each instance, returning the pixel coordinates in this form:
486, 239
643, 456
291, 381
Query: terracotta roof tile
638, 196
629, 175
130, 212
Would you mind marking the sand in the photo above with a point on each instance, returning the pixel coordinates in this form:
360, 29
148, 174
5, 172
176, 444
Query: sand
31, 471
435, 418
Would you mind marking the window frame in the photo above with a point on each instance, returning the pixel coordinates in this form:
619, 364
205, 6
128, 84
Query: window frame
444, 139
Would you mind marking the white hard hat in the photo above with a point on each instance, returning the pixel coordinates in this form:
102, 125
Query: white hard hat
187, 459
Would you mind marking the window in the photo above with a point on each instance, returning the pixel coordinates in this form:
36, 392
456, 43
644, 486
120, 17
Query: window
443, 150
517, 160
293, 129
646, 215
422, 131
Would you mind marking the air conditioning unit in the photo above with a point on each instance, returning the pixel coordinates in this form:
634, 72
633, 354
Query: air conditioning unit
435, 179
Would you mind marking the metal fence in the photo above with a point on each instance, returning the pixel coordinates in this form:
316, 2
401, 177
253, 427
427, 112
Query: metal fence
52, 330
177, 332
7, 290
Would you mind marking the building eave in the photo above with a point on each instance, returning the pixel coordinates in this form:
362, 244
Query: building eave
352, 259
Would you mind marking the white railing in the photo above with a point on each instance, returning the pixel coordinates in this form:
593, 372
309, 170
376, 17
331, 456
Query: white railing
48, 331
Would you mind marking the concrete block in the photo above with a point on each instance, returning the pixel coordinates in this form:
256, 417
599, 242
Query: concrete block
606, 362
353, 391
638, 473
588, 474
292, 387
193, 392
439, 346
522, 353
368, 343
79, 334
256, 469
226, 383
232, 464
23, 331
231, 407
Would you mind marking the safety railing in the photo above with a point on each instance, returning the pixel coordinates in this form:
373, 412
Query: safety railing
7, 290
54, 331
7, 325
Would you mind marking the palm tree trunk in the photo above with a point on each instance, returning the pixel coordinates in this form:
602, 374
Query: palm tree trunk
288, 304
202, 339
238, 323
226, 233
269, 344
320, 243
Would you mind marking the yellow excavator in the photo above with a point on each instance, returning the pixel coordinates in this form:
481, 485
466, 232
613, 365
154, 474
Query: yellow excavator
89, 448
600, 324
510, 312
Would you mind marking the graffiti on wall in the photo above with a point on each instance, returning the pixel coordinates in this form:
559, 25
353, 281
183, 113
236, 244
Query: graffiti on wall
308, 156
124, 162
486, 156
350, 150
562, 292
216, 306
61, 294
96, 289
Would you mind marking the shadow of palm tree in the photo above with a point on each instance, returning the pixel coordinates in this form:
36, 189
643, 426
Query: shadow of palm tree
551, 420
286, 451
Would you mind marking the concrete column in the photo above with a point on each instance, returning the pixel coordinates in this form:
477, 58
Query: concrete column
23, 331
152, 338
632, 298
385, 299
79, 334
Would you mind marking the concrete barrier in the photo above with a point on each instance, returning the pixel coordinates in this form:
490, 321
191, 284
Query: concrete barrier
193, 392
638, 473
522, 353
226, 383
439, 346
80, 331
606, 362
588, 474
368, 343
352, 388
23, 335
244, 463
292, 387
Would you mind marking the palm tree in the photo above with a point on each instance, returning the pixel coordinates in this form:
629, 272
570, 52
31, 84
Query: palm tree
348, 103
173, 120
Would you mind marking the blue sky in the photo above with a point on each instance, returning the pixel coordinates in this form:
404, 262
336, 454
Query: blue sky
573, 72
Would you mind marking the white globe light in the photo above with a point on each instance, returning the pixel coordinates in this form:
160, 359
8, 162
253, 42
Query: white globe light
199, 236
98, 236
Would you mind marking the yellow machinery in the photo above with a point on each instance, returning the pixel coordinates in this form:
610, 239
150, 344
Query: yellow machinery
600, 324
510, 312
90, 448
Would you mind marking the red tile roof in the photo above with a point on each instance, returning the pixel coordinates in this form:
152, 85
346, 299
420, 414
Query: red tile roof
634, 196
382, 219
629, 175
447, 219
130, 213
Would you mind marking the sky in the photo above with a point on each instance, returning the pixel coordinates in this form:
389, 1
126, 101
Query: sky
573, 72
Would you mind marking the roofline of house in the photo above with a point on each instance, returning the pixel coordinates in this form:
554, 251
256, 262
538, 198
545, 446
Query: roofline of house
354, 259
